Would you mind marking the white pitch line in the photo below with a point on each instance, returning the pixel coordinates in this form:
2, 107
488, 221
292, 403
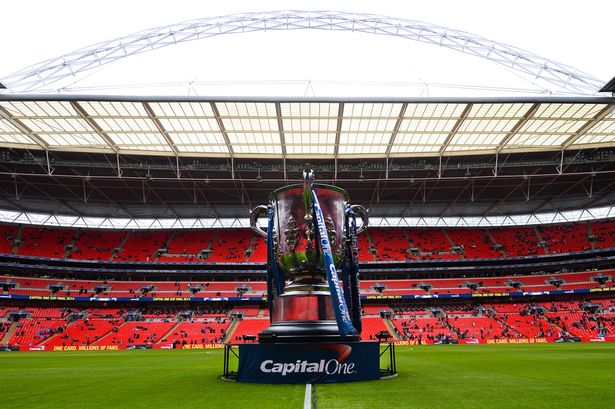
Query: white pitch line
307, 402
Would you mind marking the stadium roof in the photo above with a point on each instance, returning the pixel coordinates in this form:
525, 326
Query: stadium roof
308, 128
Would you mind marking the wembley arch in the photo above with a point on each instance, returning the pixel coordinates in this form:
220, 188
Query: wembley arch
549, 75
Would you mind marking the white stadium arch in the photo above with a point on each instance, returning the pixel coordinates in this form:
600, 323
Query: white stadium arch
542, 72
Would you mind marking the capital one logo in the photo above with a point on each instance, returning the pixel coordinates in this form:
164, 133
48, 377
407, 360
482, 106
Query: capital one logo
322, 367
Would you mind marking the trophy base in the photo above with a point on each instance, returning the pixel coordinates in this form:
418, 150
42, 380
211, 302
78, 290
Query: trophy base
304, 316
304, 331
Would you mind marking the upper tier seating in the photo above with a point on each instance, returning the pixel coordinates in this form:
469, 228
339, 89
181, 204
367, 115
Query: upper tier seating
364, 247
391, 244
45, 242
240, 245
604, 231
8, 233
96, 245
229, 246
476, 243
142, 245
187, 244
431, 243
517, 241
566, 239
259, 250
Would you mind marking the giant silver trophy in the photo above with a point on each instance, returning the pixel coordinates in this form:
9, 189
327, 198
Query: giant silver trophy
304, 310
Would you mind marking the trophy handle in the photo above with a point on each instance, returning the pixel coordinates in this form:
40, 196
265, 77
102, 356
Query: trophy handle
363, 214
257, 212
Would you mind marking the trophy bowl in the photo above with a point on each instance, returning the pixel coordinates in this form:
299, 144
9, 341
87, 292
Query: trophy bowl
305, 311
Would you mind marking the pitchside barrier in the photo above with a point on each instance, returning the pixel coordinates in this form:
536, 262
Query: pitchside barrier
23, 348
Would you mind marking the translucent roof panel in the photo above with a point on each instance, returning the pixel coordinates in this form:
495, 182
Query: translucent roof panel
191, 126
367, 128
310, 125
307, 127
420, 139
172, 125
433, 111
199, 142
250, 124
312, 143
182, 109
31, 109
311, 149
486, 126
425, 127
603, 132
113, 109
92, 141
253, 148
370, 117
479, 142
309, 109
418, 143
246, 109
362, 149
203, 149
568, 111
10, 134
140, 141
48, 125
537, 140
126, 124
255, 143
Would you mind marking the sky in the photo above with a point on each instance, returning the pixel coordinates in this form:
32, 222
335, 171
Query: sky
308, 63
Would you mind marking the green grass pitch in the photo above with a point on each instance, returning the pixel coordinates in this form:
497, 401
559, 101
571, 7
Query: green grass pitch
455, 376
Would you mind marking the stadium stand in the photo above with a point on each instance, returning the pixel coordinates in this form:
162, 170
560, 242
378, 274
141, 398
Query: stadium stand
248, 327
96, 245
187, 245
237, 245
566, 239
425, 323
517, 241
475, 243
30, 324
142, 245
46, 242
8, 234
604, 233
229, 246
391, 244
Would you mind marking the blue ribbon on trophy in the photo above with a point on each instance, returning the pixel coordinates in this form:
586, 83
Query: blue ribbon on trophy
340, 308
